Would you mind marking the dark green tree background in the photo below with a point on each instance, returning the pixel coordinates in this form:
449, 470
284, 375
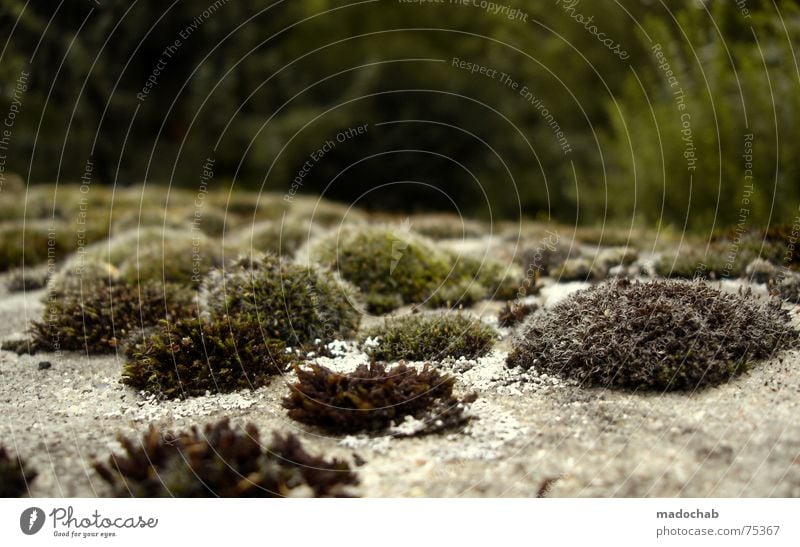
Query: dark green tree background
259, 86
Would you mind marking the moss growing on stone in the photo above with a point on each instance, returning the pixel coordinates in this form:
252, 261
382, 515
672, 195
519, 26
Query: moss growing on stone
191, 356
207, 218
785, 238
447, 226
183, 257
155, 253
290, 302
786, 287
389, 262
512, 313
394, 266
221, 461
325, 213
428, 337
279, 237
28, 243
547, 256
455, 293
27, 279
660, 335
93, 312
729, 254
373, 397
501, 281
15, 475
689, 264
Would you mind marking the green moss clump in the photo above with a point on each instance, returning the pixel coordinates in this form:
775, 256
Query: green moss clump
293, 303
282, 238
221, 461
499, 280
394, 266
181, 258
729, 254
372, 398
15, 475
189, 357
660, 335
155, 253
94, 313
428, 337
325, 213
27, 244
27, 279
686, 265
456, 293
605, 235
448, 226
389, 264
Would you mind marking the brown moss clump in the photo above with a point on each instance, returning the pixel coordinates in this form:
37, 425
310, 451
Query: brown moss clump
428, 337
221, 461
15, 475
372, 398
661, 335
514, 313
787, 237
192, 356
786, 288
96, 313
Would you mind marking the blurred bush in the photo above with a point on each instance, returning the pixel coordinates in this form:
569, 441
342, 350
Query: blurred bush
264, 88
726, 157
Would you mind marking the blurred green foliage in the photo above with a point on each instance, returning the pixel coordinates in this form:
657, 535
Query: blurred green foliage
739, 81
261, 86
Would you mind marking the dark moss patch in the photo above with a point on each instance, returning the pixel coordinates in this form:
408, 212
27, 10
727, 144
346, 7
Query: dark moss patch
428, 337
220, 461
96, 314
513, 313
546, 257
290, 302
786, 287
191, 356
664, 335
373, 397
786, 238
15, 475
